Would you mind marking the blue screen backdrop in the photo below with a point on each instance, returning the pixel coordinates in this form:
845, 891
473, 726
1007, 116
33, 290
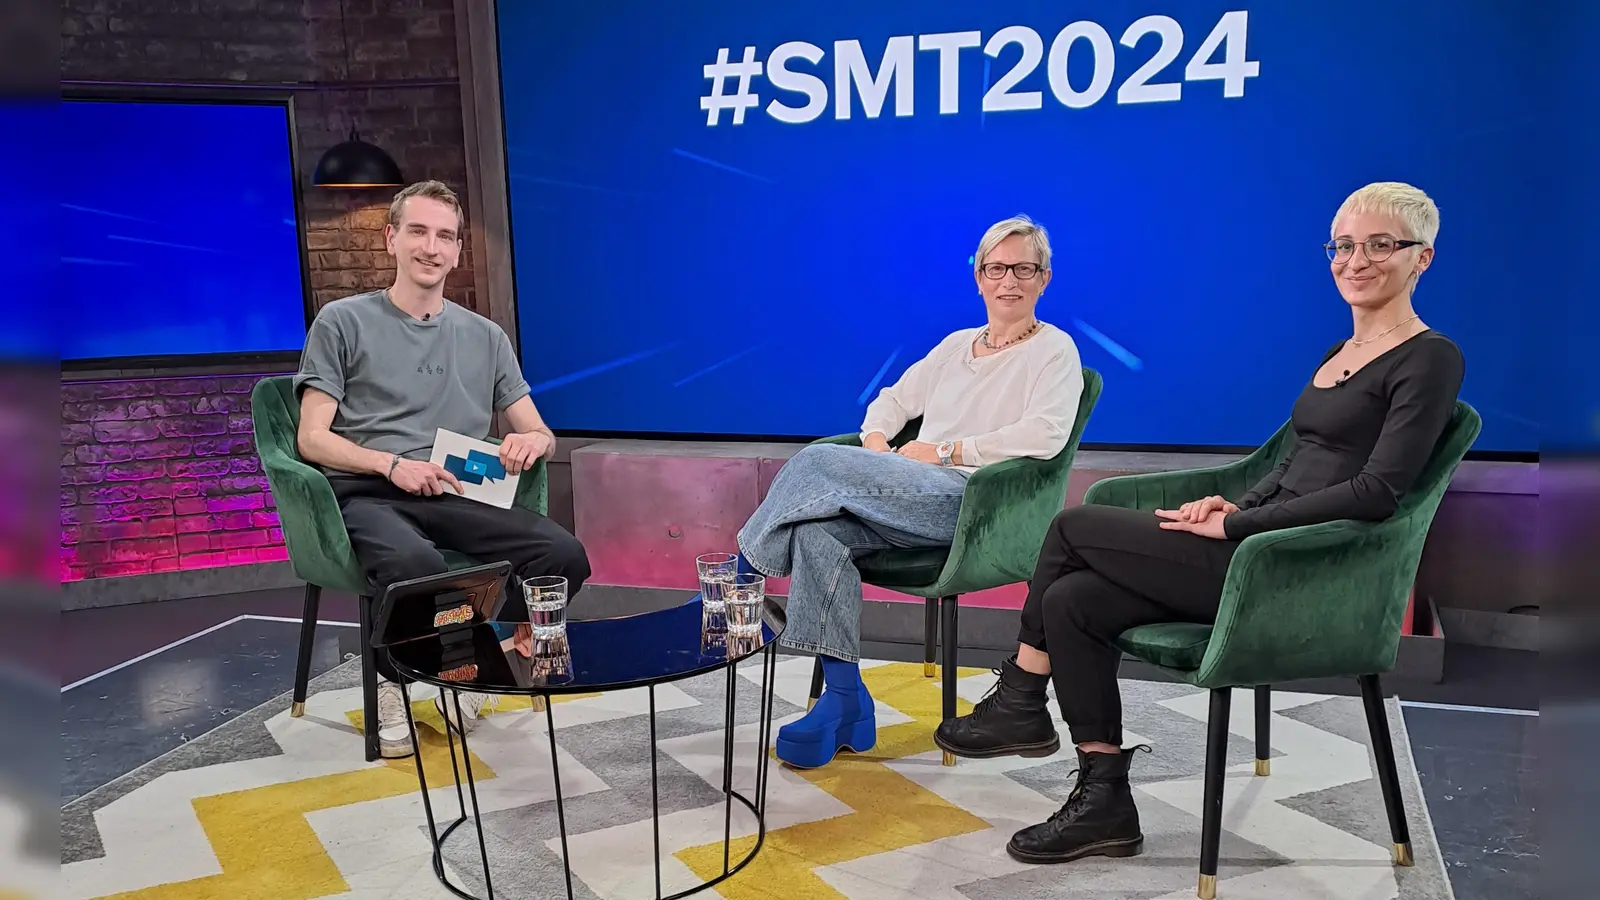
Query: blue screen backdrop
766, 269
179, 233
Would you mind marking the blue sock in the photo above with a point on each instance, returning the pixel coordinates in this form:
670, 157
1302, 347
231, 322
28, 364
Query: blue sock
842, 718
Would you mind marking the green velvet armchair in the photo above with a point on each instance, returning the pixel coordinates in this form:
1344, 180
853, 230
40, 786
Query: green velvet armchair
1313, 601
1006, 508
315, 536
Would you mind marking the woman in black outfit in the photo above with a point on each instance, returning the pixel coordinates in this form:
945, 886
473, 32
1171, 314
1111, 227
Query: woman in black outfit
1366, 425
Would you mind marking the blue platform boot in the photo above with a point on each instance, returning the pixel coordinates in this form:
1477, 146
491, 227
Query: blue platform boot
843, 718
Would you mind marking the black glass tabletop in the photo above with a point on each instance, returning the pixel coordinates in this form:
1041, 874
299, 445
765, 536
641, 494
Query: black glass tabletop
598, 654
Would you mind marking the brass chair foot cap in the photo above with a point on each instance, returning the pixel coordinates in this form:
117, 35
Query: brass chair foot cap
929, 670
1208, 888
949, 758
810, 702
297, 710
1402, 855
1263, 767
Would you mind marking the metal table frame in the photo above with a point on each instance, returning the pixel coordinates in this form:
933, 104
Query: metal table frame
768, 655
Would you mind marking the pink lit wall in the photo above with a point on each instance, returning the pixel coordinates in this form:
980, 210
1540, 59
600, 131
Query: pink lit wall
160, 474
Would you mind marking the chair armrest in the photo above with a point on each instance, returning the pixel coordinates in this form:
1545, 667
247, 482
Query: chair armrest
313, 528
1313, 601
1169, 490
1006, 509
533, 488
848, 440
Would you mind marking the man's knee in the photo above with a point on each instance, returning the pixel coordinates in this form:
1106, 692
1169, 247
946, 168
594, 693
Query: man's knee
561, 555
397, 564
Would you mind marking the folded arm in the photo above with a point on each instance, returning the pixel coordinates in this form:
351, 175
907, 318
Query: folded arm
902, 401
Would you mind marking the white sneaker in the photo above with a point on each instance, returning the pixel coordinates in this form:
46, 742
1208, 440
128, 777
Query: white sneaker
394, 735
473, 708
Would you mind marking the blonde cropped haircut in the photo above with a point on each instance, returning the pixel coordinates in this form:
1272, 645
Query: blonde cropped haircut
1393, 198
433, 190
1018, 224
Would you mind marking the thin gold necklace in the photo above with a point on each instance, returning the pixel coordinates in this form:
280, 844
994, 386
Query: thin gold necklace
1356, 343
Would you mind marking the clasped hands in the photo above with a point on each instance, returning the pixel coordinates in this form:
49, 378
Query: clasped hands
1203, 517
921, 451
518, 452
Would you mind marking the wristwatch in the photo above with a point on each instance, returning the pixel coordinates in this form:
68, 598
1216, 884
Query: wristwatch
946, 451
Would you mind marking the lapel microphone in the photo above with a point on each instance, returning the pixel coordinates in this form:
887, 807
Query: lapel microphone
1336, 381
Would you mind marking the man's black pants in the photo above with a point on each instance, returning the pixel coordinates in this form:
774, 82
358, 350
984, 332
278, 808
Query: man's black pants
398, 536
1103, 570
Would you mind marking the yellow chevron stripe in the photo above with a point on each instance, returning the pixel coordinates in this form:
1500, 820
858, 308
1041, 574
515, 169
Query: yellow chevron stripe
267, 849
891, 811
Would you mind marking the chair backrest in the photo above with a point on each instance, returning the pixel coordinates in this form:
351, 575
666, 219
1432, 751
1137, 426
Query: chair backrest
276, 417
1419, 504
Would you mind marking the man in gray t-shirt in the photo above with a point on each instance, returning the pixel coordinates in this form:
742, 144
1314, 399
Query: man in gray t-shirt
380, 374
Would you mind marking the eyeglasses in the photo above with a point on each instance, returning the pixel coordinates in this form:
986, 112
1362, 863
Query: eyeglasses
1377, 249
1024, 271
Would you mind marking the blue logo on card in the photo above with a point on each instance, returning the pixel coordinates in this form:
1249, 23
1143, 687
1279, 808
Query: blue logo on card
476, 468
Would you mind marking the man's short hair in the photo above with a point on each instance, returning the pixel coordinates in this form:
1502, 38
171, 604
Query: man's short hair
433, 190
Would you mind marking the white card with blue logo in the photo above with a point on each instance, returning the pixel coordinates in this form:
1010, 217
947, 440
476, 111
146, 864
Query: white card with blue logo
476, 464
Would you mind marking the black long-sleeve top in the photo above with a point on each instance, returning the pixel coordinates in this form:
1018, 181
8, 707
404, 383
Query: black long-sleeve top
1362, 443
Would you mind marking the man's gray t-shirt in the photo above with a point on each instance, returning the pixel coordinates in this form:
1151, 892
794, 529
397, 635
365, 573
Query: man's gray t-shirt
399, 379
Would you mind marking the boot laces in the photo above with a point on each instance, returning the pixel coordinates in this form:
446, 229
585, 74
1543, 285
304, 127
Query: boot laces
1075, 800
987, 701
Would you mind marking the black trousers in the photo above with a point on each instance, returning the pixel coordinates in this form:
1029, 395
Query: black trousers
1103, 570
398, 536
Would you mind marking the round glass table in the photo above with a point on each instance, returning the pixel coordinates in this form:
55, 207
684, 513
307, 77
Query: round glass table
596, 655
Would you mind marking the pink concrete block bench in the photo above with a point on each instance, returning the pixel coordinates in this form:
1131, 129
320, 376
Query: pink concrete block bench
646, 509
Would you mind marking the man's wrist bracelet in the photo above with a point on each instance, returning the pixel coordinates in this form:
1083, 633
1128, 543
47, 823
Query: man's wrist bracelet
394, 460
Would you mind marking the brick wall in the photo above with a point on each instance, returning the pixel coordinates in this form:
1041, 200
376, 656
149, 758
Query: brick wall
158, 471
161, 474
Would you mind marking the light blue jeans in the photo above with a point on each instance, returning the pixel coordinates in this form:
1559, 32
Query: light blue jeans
830, 505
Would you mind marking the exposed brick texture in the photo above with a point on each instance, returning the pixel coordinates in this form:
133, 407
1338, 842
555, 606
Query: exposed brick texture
160, 473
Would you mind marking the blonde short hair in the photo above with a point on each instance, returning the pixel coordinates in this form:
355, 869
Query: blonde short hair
1018, 224
1393, 198
433, 190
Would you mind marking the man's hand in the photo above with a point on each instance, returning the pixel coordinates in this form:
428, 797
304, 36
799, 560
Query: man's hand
521, 450
1210, 526
417, 477
1199, 510
921, 452
876, 442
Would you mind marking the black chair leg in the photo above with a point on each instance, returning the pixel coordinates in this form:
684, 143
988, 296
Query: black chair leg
369, 680
1388, 773
948, 606
1211, 807
930, 636
816, 683
308, 639
1263, 729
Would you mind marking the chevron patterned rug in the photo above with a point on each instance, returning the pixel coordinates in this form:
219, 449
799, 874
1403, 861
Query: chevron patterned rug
270, 807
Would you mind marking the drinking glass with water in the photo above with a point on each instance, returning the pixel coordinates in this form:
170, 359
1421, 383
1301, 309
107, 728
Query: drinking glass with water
743, 605
547, 606
717, 571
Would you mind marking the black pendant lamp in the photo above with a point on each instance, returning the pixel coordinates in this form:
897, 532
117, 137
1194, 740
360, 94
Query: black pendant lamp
355, 163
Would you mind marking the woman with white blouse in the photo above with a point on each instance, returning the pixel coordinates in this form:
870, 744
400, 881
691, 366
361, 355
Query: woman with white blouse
1005, 390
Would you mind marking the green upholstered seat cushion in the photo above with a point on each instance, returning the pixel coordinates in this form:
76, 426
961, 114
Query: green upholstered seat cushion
909, 568
1171, 645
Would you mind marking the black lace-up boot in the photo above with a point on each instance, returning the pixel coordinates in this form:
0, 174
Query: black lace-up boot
1010, 720
1098, 819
